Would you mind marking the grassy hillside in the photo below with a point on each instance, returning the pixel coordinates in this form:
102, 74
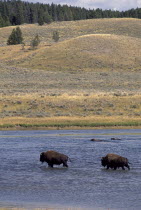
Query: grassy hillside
102, 44
91, 75
71, 29
100, 52
88, 52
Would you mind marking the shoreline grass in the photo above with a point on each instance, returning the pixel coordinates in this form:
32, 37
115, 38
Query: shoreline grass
72, 123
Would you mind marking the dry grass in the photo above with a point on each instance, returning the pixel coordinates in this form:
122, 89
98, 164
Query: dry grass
90, 53
60, 120
91, 74
124, 26
102, 44
33, 106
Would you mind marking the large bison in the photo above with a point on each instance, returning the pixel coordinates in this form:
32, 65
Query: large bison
115, 161
54, 158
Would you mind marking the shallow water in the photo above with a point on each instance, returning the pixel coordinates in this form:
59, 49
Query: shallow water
25, 182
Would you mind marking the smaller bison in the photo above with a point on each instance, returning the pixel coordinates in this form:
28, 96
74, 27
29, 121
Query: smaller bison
115, 161
115, 138
96, 140
54, 158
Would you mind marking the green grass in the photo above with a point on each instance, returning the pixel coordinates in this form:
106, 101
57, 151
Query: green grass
73, 125
82, 124
7, 126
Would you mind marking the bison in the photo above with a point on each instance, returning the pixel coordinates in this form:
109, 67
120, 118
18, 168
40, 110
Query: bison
115, 161
54, 158
96, 140
115, 138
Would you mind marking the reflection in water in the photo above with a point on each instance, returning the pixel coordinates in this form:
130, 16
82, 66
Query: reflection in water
24, 181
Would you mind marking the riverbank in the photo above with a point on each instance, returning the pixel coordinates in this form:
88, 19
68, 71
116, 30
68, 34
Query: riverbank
93, 122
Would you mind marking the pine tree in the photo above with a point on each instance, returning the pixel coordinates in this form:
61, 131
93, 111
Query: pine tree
15, 37
33, 14
19, 35
47, 18
19, 13
41, 17
41, 21
2, 23
54, 12
6, 21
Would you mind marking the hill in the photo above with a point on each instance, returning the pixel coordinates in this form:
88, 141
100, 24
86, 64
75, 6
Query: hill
94, 71
71, 29
88, 44
89, 52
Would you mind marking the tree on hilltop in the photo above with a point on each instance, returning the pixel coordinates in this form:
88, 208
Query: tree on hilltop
15, 37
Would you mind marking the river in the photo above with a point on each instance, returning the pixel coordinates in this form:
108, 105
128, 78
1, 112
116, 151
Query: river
85, 184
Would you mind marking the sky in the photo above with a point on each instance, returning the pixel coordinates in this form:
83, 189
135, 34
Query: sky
120, 5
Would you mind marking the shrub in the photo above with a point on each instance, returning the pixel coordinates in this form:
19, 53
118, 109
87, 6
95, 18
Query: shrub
35, 42
55, 36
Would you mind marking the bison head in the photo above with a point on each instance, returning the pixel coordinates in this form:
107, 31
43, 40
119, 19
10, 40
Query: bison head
103, 161
42, 158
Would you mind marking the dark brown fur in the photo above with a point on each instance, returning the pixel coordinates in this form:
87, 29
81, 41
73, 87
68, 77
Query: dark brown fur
54, 158
97, 140
115, 161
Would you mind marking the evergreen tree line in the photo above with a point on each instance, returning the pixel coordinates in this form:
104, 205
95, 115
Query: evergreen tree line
16, 12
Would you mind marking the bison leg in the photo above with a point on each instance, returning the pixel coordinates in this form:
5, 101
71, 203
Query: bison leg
107, 167
50, 165
123, 168
128, 167
115, 167
65, 164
